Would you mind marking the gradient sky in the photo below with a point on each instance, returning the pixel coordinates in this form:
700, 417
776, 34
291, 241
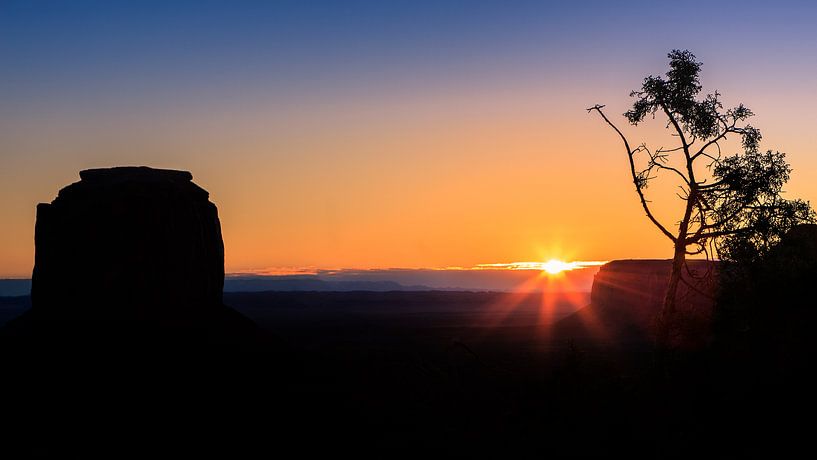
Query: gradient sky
364, 134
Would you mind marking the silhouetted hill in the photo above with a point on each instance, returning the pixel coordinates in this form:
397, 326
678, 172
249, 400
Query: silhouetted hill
472, 314
12, 307
279, 310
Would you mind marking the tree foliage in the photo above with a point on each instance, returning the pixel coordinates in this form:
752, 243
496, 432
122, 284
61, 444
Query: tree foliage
739, 204
733, 204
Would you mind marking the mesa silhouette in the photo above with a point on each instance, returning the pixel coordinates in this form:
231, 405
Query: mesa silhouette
130, 253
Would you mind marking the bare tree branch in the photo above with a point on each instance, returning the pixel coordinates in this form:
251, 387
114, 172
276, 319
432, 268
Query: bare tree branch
638, 182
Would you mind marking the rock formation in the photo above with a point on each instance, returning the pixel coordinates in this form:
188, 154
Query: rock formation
134, 247
127, 345
628, 294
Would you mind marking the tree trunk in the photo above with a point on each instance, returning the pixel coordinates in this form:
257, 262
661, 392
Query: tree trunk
667, 315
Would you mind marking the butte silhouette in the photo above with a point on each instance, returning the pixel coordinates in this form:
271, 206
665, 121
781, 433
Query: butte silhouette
127, 346
133, 256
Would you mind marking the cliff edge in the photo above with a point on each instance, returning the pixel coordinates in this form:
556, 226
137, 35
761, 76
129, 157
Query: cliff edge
627, 296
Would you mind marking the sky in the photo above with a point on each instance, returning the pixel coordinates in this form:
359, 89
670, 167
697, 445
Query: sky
370, 134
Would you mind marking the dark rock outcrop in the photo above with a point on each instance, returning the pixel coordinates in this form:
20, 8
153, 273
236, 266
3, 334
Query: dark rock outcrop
127, 345
627, 296
766, 312
130, 249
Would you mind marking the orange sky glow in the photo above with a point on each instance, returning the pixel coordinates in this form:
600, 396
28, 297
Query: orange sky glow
445, 181
413, 157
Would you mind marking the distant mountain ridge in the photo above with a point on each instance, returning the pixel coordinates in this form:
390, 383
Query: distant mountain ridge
22, 287
15, 287
313, 283
386, 279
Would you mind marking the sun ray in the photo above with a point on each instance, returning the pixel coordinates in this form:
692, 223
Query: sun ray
551, 266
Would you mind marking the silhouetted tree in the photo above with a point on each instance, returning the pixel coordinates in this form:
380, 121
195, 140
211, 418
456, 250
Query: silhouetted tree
732, 205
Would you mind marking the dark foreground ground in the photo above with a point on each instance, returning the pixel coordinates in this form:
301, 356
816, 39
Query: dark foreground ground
384, 374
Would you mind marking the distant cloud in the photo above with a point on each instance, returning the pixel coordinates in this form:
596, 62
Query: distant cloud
565, 266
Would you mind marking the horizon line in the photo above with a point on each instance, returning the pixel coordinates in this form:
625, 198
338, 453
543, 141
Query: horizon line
508, 266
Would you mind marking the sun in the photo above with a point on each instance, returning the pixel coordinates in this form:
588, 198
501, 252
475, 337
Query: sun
554, 266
